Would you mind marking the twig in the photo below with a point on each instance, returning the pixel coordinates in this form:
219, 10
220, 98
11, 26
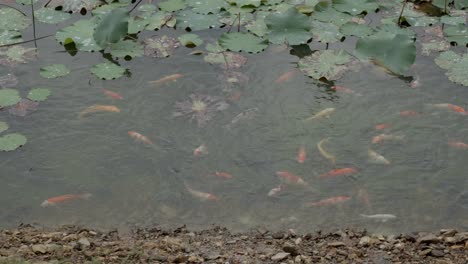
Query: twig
135, 6
232, 24
238, 25
401, 13
34, 23
445, 7
22, 42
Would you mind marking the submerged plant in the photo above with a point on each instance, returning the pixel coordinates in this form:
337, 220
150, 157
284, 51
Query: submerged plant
200, 107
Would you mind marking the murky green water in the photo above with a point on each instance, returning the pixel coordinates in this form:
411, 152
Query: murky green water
425, 185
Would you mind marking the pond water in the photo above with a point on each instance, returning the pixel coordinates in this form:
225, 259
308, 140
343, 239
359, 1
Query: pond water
136, 184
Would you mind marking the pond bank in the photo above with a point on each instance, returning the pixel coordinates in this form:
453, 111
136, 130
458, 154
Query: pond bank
72, 244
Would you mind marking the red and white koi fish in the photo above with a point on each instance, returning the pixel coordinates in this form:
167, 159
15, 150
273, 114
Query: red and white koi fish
458, 144
275, 191
139, 137
344, 90
457, 109
112, 94
376, 158
222, 174
339, 172
203, 196
65, 198
291, 179
382, 126
285, 76
386, 137
409, 113
200, 151
169, 78
301, 154
330, 201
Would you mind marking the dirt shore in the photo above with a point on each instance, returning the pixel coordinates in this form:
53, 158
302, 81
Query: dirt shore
73, 244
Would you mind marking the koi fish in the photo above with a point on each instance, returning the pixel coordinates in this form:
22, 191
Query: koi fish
285, 76
112, 94
385, 137
139, 137
276, 190
458, 144
201, 150
99, 108
457, 109
169, 78
291, 179
339, 172
381, 217
325, 153
382, 126
203, 196
65, 198
324, 113
301, 154
344, 90
376, 158
332, 200
223, 174
409, 113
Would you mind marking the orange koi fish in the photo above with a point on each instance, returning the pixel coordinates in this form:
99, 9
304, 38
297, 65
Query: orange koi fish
382, 126
139, 137
301, 154
385, 137
290, 178
203, 196
458, 144
224, 175
65, 198
329, 201
276, 190
339, 172
112, 94
99, 108
285, 76
169, 78
457, 109
344, 90
201, 150
409, 113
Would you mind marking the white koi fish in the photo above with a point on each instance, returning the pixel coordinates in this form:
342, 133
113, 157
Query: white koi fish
381, 217
376, 158
324, 113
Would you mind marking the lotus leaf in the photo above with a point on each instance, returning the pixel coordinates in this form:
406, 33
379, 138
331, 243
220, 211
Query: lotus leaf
160, 47
214, 47
126, 48
447, 59
242, 42
104, 10
355, 7
190, 40
190, 20
74, 5
207, 6
233, 19
460, 4
12, 141
9, 37
38, 94
396, 54
258, 26
107, 71
325, 13
453, 20
8, 80
245, 3
227, 60
147, 8
456, 66
325, 32
160, 19
434, 45
291, 27
328, 64
23, 107
54, 71
3, 126
137, 24
172, 5
9, 97
388, 31
457, 34
358, 30
26, 2
11, 19
50, 16
112, 28
81, 33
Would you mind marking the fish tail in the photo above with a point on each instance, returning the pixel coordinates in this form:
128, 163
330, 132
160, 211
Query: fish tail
86, 196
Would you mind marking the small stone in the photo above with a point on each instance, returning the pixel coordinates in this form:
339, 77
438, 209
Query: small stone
428, 239
425, 252
278, 235
290, 248
336, 244
231, 242
364, 241
298, 241
298, 259
84, 242
39, 248
437, 253
280, 256
400, 245
70, 237
180, 259
450, 240
194, 259
244, 237
24, 249
92, 233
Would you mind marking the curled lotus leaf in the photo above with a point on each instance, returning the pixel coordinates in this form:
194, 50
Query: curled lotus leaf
38, 94
9, 97
54, 71
291, 27
17, 54
74, 5
9, 37
3, 126
190, 40
81, 33
107, 71
11, 19
23, 107
208, 6
50, 16
242, 42
160, 46
12, 141
112, 28
126, 48
172, 5
226, 60
328, 64
188, 19
8, 80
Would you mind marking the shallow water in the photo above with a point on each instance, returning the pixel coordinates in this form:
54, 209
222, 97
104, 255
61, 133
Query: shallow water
133, 184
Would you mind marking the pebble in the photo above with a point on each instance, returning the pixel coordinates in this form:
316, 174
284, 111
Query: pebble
280, 256
298, 241
84, 242
428, 239
437, 253
290, 248
336, 244
364, 241
278, 235
39, 248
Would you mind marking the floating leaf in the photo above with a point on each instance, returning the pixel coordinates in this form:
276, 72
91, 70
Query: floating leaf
23, 107
137, 24
328, 64
8, 80
456, 66
457, 34
50, 16
9, 97
438, 44
107, 70
460, 4
227, 60
112, 28
453, 20
325, 13
190, 20
16, 54
26, 2
447, 59
396, 54
242, 42
258, 26
190, 40
355, 29
74, 5
12, 141
160, 47
291, 27
245, 3
3, 126
325, 32
147, 8
172, 5
207, 6
355, 7
9, 37
54, 71
81, 33
11, 19
160, 19
38, 94
126, 48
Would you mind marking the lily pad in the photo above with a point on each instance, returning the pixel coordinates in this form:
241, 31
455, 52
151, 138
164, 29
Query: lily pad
126, 48
74, 5
39, 94
447, 59
242, 42
3, 126
112, 28
457, 34
355, 29
17, 54
245, 3
258, 26
207, 6
81, 33
456, 66
12, 141
9, 37
453, 20
160, 19
54, 71
190, 20
50, 16
291, 27
11, 19
172, 5
226, 60
160, 47
325, 13
190, 40
325, 32
328, 64
26, 2
23, 107
355, 7
107, 71
9, 97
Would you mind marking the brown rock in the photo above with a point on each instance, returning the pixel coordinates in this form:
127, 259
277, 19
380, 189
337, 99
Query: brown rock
428, 239
39, 248
437, 253
290, 248
336, 244
365, 241
280, 256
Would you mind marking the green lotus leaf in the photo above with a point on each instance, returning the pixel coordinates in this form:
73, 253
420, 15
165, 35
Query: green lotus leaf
125, 48
190, 40
11, 19
355, 29
207, 6
325, 13
328, 64
9, 37
50, 16
258, 26
460, 4
422, 21
38, 94
172, 5
107, 71
137, 24
9, 97
227, 60
245, 3
147, 8
81, 33
160, 19
3, 126
458, 73
160, 47
112, 28
54, 71
447, 59
355, 7
242, 42
453, 20
74, 5
388, 31
325, 32
291, 27
25, 2
12, 141
232, 19
104, 10
17, 54
457, 34
434, 45
189, 19
396, 54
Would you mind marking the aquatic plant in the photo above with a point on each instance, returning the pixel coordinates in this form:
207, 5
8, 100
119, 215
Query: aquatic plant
200, 107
